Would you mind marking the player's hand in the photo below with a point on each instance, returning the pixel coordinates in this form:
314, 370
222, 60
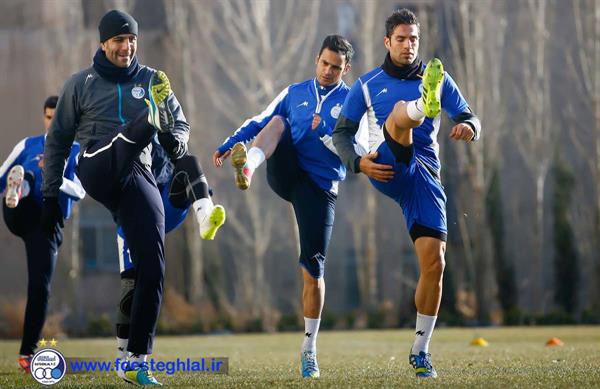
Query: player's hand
376, 171
316, 121
218, 158
462, 131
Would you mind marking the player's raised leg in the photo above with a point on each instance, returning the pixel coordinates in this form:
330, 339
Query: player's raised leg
190, 187
246, 161
407, 115
14, 180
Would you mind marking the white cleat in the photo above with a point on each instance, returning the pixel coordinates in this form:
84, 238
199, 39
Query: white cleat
13, 186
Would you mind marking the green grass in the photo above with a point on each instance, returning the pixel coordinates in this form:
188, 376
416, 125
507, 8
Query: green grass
516, 357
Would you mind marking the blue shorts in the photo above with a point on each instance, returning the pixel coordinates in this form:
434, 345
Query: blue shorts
415, 188
173, 219
314, 207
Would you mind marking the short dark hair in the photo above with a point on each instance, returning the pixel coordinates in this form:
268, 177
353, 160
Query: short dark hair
340, 45
50, 102
400, 16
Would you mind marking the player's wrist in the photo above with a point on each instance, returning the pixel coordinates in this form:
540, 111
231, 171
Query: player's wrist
357, 163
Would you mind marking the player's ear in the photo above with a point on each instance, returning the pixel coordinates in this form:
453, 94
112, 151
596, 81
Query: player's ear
317, 59
386, 42
347, 68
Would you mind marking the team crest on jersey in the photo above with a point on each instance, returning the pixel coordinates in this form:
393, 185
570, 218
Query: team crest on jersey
335, 111
138, 92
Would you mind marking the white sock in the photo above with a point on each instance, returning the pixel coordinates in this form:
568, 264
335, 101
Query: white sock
424, 330
255, 157
202, 207
136, 360
415, 109
121, 353
311, 330
25, 188
122, 344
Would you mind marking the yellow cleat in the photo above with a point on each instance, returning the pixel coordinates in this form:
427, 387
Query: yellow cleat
432, 88
239, 157
210, 224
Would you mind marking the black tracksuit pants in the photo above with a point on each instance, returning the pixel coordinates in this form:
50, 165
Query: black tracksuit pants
42, 252
111, 173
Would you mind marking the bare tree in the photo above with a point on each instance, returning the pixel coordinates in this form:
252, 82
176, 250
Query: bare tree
364, 227
179, 24
540, 133
252, 59
584, 69
476, 50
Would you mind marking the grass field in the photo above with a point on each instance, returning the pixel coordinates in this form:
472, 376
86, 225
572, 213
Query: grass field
515, 357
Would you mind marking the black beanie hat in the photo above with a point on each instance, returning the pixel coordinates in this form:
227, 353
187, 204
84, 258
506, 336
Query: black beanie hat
115, 23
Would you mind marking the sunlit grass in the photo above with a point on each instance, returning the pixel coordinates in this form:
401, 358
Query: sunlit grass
515, 357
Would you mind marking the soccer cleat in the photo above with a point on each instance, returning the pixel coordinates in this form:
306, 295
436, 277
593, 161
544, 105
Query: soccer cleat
141, 377
211, 222
309, 366
14, 181
243, 174
422, 365
432, 88
159, 114
25, 363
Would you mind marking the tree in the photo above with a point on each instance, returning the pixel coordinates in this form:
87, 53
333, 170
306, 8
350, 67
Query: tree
251, 60
475, 54
583, 112
566, 269
531, 91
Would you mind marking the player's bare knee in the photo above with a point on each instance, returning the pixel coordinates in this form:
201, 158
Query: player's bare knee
434, 266
398, 114
311, 281
399, 121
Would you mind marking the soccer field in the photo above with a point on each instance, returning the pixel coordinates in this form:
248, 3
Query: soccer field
515, 357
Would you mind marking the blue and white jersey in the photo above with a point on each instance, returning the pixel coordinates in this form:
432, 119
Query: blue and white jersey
375, 94
298, 103
29, 153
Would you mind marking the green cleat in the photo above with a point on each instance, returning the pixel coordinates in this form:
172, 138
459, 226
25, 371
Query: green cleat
159, 114
210, 224
160, 87
432, 88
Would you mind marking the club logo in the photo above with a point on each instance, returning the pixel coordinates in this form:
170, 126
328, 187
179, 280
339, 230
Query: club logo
48, 366
335, 111
138, 92
420, 333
